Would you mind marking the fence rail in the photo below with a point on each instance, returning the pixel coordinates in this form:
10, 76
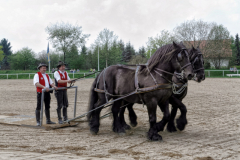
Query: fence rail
208, 73
219, 73
31, 75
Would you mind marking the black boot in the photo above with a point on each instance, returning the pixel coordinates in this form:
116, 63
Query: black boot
65, 117
59, 116
37, 112
47, 113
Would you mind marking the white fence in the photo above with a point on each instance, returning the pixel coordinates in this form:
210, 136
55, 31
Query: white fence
219, 73
31, 75
208, 73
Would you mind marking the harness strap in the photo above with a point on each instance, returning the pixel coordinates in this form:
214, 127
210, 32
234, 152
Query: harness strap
151, 75
182, 68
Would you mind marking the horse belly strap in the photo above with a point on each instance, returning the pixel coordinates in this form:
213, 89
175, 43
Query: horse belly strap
155, 87
99, 90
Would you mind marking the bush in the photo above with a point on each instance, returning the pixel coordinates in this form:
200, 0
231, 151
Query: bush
207, 65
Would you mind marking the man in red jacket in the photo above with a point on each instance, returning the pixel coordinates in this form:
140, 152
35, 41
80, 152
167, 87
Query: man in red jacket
61, 80
42, 81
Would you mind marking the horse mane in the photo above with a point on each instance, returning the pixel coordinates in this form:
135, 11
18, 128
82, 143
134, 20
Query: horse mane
162, 55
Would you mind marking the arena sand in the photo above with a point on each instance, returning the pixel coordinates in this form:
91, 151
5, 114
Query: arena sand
213, 130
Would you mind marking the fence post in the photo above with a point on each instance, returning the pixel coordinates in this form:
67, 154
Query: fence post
208, 73
237, 71
95, 75
7, 76
73, 74
223, 73
17, 76
84, 75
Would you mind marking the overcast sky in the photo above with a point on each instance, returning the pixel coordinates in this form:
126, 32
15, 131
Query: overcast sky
23, 22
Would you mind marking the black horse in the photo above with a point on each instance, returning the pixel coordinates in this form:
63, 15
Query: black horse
135, 87
196, 59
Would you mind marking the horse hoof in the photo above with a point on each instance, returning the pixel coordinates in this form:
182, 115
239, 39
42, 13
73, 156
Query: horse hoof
133, 124
181, 124
94, 131
171, 128
154, 136
121, 134
119, 130
126, 127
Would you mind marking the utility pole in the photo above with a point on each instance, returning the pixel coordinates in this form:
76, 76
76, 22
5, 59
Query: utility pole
98, 58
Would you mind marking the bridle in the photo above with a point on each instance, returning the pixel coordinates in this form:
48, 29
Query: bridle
178, 75
194, 61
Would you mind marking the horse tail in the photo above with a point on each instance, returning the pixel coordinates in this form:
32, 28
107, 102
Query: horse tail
93, 98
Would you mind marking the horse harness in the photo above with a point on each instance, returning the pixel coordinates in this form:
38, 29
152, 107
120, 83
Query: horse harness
139, 90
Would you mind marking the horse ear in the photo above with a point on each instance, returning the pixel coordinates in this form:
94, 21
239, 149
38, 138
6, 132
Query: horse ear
175, 45
193, 48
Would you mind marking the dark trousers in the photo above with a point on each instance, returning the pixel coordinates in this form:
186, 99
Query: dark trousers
47, 99
62, 99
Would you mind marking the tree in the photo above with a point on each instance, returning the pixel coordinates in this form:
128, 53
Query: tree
105, 40
64, 35
218, 45
54, 58
128, 52
1, 54
84, 50
23, 59
165, 37
237, 45
6, 47
193, 32
142, 52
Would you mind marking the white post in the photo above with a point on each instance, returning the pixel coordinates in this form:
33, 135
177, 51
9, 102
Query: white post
7, 76
237, 71
17, 76
29, 76
223, 73
98, 59
84, 75
73, 74
49, 64
208, 73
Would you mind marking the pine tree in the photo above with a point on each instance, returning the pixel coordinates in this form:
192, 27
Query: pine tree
6, 47
84, 50
237, 45
128, 52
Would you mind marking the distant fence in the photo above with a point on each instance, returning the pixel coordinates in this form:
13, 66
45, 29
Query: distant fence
208, 73
31, 75
219, 73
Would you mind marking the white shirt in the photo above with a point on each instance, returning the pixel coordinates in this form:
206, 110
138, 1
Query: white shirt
36, 80
57, 76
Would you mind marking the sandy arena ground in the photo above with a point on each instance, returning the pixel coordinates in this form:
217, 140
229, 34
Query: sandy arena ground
213, 130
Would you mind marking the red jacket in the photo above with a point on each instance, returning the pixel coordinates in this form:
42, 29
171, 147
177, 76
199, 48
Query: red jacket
42, 81
62, 78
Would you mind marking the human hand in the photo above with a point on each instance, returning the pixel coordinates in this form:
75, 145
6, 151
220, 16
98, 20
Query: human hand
47, 89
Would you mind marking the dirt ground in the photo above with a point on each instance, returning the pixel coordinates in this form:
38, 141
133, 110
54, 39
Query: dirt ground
213, 130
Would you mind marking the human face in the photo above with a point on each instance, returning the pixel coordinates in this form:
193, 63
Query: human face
43, 69
62, 68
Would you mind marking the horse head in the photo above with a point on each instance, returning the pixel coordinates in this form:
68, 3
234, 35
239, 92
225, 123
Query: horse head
180, 61
196, 59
